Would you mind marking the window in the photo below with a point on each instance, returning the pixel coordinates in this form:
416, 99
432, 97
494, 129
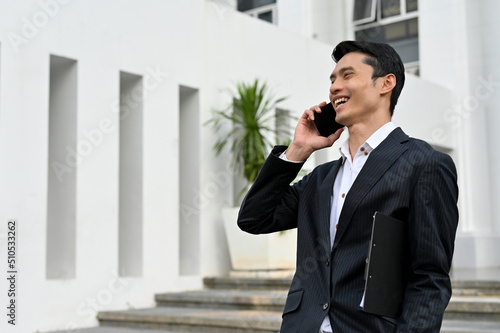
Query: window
261, 9
390, 21
364, 11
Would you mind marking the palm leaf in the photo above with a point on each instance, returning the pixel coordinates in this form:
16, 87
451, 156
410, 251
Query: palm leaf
251, 115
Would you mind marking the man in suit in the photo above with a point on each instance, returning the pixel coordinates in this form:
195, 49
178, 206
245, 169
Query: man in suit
380, 169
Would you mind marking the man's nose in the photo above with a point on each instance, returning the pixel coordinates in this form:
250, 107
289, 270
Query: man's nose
336, 87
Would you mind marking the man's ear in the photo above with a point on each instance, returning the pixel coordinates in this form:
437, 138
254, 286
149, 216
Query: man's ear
388, 83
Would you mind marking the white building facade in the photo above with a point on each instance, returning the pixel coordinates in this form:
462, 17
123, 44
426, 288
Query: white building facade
107, 167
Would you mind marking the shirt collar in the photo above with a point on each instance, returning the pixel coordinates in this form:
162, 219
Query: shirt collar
373, 141
380, 135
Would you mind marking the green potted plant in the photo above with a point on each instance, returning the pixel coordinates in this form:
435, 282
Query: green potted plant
254, 126
249, 126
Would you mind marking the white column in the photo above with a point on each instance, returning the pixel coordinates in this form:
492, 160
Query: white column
453, 52
491, 53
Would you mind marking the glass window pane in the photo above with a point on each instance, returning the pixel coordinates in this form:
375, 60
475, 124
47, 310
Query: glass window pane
390, 8
244, 5
407, 49
266, 16
363, 10
413, 27
411, 5
374, 34
395, 31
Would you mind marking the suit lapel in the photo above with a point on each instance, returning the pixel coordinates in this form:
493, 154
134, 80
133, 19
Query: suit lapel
379, 161
324, 199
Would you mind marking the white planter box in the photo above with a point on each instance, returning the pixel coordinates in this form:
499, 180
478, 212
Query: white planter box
252, 252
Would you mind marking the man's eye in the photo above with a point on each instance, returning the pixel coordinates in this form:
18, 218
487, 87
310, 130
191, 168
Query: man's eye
347, 74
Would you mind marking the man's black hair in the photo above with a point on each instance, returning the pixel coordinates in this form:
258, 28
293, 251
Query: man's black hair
382, 57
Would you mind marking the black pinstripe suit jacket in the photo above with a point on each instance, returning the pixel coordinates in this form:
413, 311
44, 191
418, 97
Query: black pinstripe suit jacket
404, 178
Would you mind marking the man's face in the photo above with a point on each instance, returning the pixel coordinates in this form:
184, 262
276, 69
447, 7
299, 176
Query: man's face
353, 93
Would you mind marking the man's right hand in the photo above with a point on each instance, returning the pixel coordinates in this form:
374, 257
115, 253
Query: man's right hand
307, 139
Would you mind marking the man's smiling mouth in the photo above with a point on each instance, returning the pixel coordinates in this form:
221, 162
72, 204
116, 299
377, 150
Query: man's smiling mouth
339, 101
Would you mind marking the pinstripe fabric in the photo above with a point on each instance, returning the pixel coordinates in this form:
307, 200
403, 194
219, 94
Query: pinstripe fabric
404, 178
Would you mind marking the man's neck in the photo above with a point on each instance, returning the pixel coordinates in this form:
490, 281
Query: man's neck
360, 132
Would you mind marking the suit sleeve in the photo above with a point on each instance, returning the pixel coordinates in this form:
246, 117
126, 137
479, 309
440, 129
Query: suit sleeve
432, 225
271, 203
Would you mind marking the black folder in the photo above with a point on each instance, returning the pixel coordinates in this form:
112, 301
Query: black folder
385, 267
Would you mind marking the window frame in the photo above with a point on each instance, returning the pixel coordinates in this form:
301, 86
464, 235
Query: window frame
369, 19
273, 8
378, 20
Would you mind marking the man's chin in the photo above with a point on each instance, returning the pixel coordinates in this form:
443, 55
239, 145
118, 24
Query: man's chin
342, 120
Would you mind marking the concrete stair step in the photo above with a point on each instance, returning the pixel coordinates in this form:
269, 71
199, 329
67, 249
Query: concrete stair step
247, 283
476, 288
225, 299
468, 326
459, 307
474, 308
449, 326
256, 281
101, 329
195, 320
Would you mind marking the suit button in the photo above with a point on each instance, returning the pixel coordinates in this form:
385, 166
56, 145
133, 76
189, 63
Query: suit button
325, 306
328, 263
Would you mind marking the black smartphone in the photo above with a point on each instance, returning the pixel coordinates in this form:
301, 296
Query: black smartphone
325, 121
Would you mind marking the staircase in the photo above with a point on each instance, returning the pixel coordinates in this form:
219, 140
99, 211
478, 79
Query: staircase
474, 307
240, 304
227, 304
